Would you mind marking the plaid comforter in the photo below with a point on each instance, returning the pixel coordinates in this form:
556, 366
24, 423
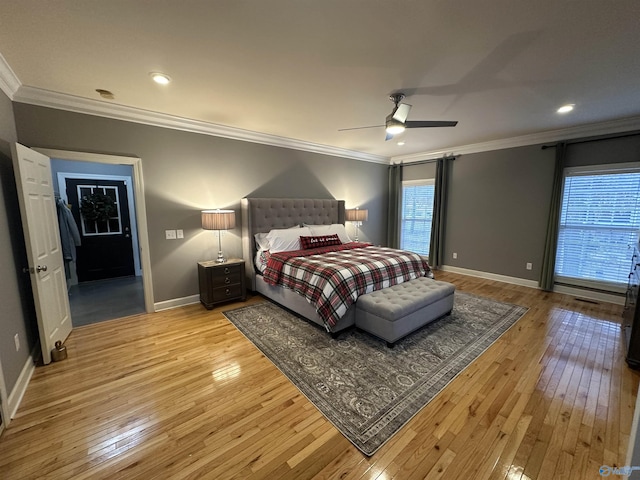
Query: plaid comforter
332, 278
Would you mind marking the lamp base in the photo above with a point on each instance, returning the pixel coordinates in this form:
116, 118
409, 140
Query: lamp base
220, 258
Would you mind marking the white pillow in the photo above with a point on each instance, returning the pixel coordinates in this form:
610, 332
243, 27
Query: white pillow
285, 240
330, 230
262, 241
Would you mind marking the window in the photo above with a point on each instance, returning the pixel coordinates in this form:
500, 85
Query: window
100, 226
599, 220
417, 213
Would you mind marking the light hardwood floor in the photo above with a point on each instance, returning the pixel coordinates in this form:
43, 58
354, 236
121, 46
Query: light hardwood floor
182, 394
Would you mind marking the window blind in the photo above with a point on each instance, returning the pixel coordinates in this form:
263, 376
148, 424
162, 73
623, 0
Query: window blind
417, 214
599, 220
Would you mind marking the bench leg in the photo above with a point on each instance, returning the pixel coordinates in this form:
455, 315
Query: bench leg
391, 344
448, 313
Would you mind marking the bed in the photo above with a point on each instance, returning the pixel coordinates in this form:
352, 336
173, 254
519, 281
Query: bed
262, 215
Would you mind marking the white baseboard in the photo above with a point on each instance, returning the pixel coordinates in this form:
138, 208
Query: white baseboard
491, 276
573, 291
176, 302
590, 295
15, 397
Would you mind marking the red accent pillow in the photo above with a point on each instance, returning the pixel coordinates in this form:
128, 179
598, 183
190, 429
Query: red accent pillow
319, 241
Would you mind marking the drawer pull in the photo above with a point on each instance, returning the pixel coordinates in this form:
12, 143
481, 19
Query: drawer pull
226, 270
227, 280
228, 292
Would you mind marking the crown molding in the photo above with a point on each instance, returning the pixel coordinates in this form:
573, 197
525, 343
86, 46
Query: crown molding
582, 131
9, 82
13, 88
72, 103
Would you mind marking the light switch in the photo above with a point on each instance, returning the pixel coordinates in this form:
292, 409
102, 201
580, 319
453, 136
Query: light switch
170, 234
180, 233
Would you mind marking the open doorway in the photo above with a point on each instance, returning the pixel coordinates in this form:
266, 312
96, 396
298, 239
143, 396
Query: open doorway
111, 277
104, 277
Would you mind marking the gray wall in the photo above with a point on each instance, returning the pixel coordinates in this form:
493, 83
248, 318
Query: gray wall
496, 218
614, 150
187, 172
498, 210
17, 314
420, 171
499, 202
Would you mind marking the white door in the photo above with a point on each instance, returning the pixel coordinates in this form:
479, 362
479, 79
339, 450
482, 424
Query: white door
42, 238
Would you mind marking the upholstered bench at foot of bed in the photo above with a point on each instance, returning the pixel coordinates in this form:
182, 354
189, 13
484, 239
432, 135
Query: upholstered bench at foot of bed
396, 311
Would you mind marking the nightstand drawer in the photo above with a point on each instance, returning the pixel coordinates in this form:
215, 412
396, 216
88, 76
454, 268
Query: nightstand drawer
226, 270
226, 293
226, 280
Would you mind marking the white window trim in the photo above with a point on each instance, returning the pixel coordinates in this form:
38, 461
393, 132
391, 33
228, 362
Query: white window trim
628, 167
604, 169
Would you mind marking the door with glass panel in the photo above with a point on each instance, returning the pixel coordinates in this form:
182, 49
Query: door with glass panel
101, 211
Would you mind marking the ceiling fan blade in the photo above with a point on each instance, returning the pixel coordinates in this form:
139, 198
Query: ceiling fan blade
359, 128
401, 112
429, 123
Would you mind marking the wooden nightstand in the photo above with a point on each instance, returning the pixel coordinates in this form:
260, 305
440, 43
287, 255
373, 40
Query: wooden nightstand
221, 282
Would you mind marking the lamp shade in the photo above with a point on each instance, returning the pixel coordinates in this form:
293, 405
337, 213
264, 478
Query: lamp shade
356, 215
218, 219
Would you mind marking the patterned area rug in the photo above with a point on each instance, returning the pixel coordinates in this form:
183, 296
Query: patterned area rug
367, 390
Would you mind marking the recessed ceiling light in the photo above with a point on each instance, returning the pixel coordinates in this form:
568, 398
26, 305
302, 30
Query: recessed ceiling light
160, 78
400, 143
566, 108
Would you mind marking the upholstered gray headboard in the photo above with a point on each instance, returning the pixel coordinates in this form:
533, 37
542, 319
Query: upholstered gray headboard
264, 214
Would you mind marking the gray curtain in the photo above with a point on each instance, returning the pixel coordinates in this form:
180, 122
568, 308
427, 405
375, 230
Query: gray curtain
395, 201
551, 242
436, 248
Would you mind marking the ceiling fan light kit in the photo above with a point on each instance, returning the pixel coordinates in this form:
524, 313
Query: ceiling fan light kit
394, 127
396, 122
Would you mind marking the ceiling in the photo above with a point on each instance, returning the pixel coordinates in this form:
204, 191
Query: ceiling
303, 69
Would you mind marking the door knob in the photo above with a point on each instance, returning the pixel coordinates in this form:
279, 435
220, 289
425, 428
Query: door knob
41, 268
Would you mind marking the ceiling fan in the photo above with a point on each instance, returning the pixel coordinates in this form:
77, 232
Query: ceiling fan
397, 122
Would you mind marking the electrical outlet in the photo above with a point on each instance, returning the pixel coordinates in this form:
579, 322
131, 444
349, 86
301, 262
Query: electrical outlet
170, 234
455, 255
16, 339
180, 233
529, 266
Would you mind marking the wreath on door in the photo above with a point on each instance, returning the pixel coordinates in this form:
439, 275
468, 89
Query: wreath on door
97, 207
